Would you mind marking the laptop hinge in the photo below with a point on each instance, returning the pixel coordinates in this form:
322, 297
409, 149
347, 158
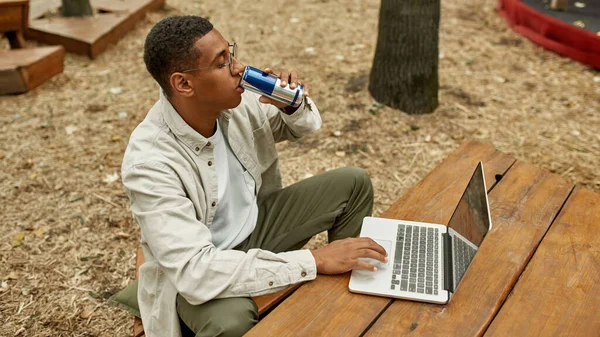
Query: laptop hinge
447, 246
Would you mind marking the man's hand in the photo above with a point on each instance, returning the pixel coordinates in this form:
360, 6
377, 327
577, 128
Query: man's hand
285, 76
342, 255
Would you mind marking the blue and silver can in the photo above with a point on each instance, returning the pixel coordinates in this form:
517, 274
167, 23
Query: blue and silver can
269, 85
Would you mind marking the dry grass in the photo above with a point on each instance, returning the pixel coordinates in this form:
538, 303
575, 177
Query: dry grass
79, 239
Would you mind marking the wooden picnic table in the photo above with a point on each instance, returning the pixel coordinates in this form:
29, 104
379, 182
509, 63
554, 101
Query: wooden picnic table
537, 273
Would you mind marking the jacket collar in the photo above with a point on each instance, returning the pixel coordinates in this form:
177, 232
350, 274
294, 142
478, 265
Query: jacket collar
190, 137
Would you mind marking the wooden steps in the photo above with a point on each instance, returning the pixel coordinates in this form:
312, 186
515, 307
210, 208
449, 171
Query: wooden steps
21, 68
24, 69
88, 35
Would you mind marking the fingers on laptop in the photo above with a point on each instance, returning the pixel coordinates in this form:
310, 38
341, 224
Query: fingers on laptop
371, 244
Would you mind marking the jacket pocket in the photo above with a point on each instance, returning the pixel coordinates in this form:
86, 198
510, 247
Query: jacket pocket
264, 144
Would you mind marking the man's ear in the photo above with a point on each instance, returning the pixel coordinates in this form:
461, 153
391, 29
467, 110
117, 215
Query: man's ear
181, 84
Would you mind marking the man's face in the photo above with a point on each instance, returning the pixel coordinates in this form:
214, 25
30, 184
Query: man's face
216, 87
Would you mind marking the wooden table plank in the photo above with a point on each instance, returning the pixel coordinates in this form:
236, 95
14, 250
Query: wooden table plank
325, 307
523, 205
559, 292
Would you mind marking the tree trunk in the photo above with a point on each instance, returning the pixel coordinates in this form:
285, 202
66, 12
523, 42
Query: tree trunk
76, 8
405, 67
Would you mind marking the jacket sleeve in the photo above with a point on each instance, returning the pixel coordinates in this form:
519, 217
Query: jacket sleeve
305, 120
183, 249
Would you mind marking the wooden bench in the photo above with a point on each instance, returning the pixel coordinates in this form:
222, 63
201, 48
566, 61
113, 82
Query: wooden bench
21, 68
536, 272
264, 303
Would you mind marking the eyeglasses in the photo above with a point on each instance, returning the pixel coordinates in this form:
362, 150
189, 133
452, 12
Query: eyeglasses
232, 49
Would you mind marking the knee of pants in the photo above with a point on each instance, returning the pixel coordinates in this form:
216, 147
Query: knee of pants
229, 317
237, 322
359, 176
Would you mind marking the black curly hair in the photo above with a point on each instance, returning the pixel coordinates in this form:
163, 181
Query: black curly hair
169, 46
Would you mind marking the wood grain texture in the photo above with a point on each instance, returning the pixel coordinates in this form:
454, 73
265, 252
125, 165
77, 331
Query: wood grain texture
523, 205
559, 292
13, 16
325, 307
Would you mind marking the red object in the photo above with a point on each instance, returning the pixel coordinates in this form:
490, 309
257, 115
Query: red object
550, 33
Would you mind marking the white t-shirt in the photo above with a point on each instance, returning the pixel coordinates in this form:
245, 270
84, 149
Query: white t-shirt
237, 210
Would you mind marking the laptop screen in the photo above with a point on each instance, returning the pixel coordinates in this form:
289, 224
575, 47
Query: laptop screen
471, 218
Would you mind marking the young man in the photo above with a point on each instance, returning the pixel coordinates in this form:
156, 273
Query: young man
202, 175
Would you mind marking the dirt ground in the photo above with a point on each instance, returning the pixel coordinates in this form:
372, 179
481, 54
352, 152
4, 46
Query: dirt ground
63, 207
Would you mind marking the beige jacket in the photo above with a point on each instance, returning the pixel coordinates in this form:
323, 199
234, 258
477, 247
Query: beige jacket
173, 194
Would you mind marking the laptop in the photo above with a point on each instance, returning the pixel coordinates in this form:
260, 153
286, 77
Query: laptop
426, 262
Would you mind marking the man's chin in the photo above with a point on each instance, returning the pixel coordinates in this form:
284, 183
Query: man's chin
236, 102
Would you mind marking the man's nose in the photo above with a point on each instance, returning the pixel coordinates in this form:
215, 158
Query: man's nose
238, 67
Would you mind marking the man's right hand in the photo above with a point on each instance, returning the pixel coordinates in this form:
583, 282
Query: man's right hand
342, 255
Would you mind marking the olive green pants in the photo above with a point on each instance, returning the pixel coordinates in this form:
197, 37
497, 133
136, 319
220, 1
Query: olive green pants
335, 201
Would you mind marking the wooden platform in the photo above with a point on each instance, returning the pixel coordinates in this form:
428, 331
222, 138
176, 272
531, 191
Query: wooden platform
536, 273
87, 35
21, 68
24, 69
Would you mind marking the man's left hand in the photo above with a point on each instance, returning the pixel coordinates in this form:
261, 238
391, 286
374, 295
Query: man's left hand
285, 76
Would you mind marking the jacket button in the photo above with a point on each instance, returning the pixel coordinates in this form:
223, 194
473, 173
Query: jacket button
303, 274
208, 144
271, 284
214, 204
209, 163
197, 148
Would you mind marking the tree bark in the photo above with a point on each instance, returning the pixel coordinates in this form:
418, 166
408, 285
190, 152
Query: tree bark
405, 68
76, 8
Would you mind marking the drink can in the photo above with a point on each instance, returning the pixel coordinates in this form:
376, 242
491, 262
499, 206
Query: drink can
269, 85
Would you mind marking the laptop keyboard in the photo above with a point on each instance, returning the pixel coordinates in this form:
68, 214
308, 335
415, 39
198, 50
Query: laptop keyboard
416, 260
463, 255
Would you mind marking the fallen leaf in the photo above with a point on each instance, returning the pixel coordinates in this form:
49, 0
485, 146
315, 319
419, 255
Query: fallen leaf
12, 276
116, 90
25, 291
340, 153
2, 155
294, 20
116, 138
91, 257
340, 57
122, 114
309, 50
111, 178
96, 107
414, 127
122, 235
39, 232
17, 240
70, 129
4, 285
87, 312
337, 133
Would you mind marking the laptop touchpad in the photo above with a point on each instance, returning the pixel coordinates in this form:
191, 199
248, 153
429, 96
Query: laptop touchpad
387, 245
